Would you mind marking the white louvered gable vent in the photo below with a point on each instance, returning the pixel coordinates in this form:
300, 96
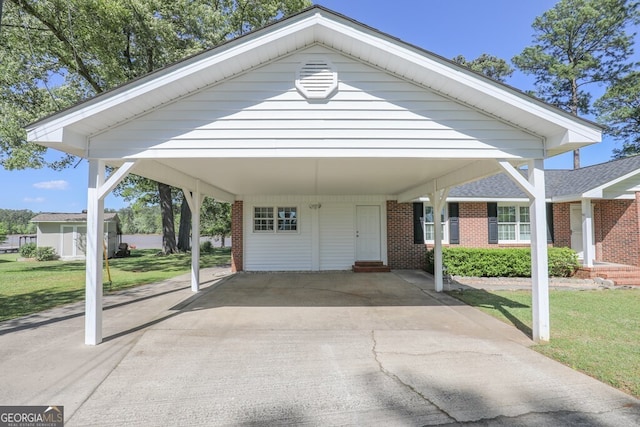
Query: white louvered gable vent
317, 79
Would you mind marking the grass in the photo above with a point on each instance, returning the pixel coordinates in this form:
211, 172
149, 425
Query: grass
29, 287
595, 332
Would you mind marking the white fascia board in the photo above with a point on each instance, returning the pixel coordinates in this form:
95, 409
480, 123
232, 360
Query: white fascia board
618, 196
572, 139
482, 199
318, 152
567, 199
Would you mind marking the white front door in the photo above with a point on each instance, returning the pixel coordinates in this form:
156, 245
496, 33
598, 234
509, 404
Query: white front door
368, 233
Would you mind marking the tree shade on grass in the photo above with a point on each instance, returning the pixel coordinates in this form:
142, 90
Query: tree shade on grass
30, 287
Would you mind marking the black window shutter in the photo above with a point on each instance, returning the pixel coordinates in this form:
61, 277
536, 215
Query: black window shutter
549, 222
492, 215
454, 224
418, 224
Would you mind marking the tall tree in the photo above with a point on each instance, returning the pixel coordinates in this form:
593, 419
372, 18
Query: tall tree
578, 43
216, 219
184, 230
489, 65
619, 110
58, 52
3, 233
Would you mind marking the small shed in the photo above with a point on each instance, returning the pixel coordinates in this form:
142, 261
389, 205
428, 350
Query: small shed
67, 233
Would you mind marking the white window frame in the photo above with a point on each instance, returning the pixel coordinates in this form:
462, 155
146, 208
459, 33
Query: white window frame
445, 223
517, 224
276, 219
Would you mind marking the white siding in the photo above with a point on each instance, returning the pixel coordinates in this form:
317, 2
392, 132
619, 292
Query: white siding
337, 230
48, 235
289, 251
328, 232
263, 109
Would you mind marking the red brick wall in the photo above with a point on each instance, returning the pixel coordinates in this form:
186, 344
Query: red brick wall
597, 230
616, 229
617, 234
562, 225
474, 226
401, 251
237, 236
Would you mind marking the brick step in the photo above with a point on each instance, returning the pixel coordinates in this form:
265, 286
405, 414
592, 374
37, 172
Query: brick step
617, 274
370, 267
377, 269
608, 272
369, 263
627, 281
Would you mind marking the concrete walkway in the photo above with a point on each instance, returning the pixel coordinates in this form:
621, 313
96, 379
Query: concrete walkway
287, 349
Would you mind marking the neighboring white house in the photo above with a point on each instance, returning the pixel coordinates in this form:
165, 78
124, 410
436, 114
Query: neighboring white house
67, 233
322, 132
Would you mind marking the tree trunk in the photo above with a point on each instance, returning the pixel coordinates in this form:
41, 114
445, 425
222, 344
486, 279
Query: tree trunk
575, 101
185, 226
168, 230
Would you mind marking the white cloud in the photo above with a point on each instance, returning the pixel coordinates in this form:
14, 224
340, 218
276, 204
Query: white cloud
33, 200
52, 185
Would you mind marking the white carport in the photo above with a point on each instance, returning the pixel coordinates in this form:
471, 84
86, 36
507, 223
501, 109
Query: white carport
315, 104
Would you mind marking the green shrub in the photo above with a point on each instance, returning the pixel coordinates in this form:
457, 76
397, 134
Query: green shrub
502, 262
28, 250
45, 253
206, 247
563, 262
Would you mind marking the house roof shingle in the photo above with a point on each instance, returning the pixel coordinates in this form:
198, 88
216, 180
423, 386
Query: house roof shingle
69, 217
558, 182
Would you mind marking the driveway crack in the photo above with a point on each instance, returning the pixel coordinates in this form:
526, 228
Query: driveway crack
397, 379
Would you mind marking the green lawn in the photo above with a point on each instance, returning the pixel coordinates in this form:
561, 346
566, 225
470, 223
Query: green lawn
596, 332
29, 286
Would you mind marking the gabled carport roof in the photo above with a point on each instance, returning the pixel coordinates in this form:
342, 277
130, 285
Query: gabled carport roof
72, 129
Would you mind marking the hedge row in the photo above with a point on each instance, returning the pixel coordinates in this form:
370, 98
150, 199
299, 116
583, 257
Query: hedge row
516, 262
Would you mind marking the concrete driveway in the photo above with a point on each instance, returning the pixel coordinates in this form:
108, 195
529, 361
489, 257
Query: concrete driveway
287, 349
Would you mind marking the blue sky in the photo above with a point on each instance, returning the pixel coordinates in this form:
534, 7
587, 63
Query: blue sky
447, 28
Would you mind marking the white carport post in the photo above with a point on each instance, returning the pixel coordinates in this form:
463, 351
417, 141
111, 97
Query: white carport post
534, 187
588, 254
539, 257
97, 190
438, 198
95, 232
194, 200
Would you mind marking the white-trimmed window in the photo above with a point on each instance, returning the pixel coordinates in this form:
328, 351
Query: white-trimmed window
270, 219
514, 224
429, 224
